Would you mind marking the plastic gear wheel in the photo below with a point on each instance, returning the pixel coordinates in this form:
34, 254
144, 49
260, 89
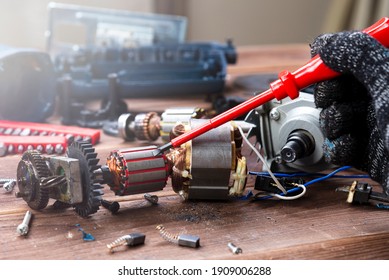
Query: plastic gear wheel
85, 153
31, 169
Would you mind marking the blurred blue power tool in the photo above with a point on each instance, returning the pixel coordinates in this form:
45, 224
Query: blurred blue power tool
27, 85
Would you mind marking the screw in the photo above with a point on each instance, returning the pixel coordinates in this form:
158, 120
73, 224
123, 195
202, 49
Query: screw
234, 249
59, 149
11, 149
3, 149
278, 159
20, 149
25, 132
113, 207
274, 114
49, 149
69, 138
9, 186
23, 228
151, 198
3, 181
16, 131
39, 148
8, 131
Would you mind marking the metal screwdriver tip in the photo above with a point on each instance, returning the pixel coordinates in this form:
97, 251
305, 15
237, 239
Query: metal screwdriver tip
160, 150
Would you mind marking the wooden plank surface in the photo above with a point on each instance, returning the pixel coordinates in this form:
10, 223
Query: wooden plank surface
321, 225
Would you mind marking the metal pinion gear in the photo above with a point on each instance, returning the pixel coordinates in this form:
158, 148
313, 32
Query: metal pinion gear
31, 170
92, 192
147, 126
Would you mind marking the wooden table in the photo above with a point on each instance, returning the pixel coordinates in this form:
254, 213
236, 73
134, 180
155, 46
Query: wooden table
321, 225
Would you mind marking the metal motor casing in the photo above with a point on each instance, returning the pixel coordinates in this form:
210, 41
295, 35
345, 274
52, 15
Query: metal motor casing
172, 116
210, 158
211, 163
278, 119
137, 170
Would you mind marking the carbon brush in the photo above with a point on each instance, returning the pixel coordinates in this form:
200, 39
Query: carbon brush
132, 239
185, 240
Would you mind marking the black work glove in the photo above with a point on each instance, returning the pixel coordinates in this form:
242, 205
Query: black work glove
355, 115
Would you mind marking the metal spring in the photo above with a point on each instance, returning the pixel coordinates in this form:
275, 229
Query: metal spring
118, 242
167, 235
53, 181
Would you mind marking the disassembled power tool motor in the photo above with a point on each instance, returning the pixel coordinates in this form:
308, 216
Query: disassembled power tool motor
288, 130
201, 169
209, 167
204, 162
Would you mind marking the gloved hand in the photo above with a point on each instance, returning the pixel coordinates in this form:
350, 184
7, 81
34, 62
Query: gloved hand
355, 115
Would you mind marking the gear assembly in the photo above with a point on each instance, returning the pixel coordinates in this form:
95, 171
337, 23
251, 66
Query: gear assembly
204, 161
76, 179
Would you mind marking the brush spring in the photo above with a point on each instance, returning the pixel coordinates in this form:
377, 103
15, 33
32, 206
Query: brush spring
172, 238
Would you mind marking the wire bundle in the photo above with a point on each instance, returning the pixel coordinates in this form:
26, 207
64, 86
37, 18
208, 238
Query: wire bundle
299, 187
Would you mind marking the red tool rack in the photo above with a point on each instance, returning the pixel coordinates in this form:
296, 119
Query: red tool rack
17, 137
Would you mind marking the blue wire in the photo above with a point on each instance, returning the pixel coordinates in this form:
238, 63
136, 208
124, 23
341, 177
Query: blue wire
304, 174
327, 176
382, 206
247, 196
310, 182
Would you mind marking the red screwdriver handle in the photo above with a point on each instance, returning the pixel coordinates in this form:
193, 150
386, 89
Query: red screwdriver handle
288, 84
316, 71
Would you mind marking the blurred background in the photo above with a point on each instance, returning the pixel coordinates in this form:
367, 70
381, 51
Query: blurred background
247, 22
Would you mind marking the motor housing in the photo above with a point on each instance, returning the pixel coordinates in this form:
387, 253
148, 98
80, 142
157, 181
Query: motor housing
278, 124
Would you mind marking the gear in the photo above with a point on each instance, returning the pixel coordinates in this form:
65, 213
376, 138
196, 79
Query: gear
31, 170
92, 192
147, 126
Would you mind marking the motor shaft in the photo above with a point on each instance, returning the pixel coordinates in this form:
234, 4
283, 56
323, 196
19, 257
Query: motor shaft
300, 144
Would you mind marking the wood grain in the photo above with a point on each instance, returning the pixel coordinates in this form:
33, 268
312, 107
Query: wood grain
321, 225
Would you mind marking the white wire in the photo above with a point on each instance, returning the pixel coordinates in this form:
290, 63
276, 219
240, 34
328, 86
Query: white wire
291, 197
279, 186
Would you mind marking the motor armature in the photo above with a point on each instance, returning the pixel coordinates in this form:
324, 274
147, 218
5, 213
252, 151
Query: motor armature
209, 167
